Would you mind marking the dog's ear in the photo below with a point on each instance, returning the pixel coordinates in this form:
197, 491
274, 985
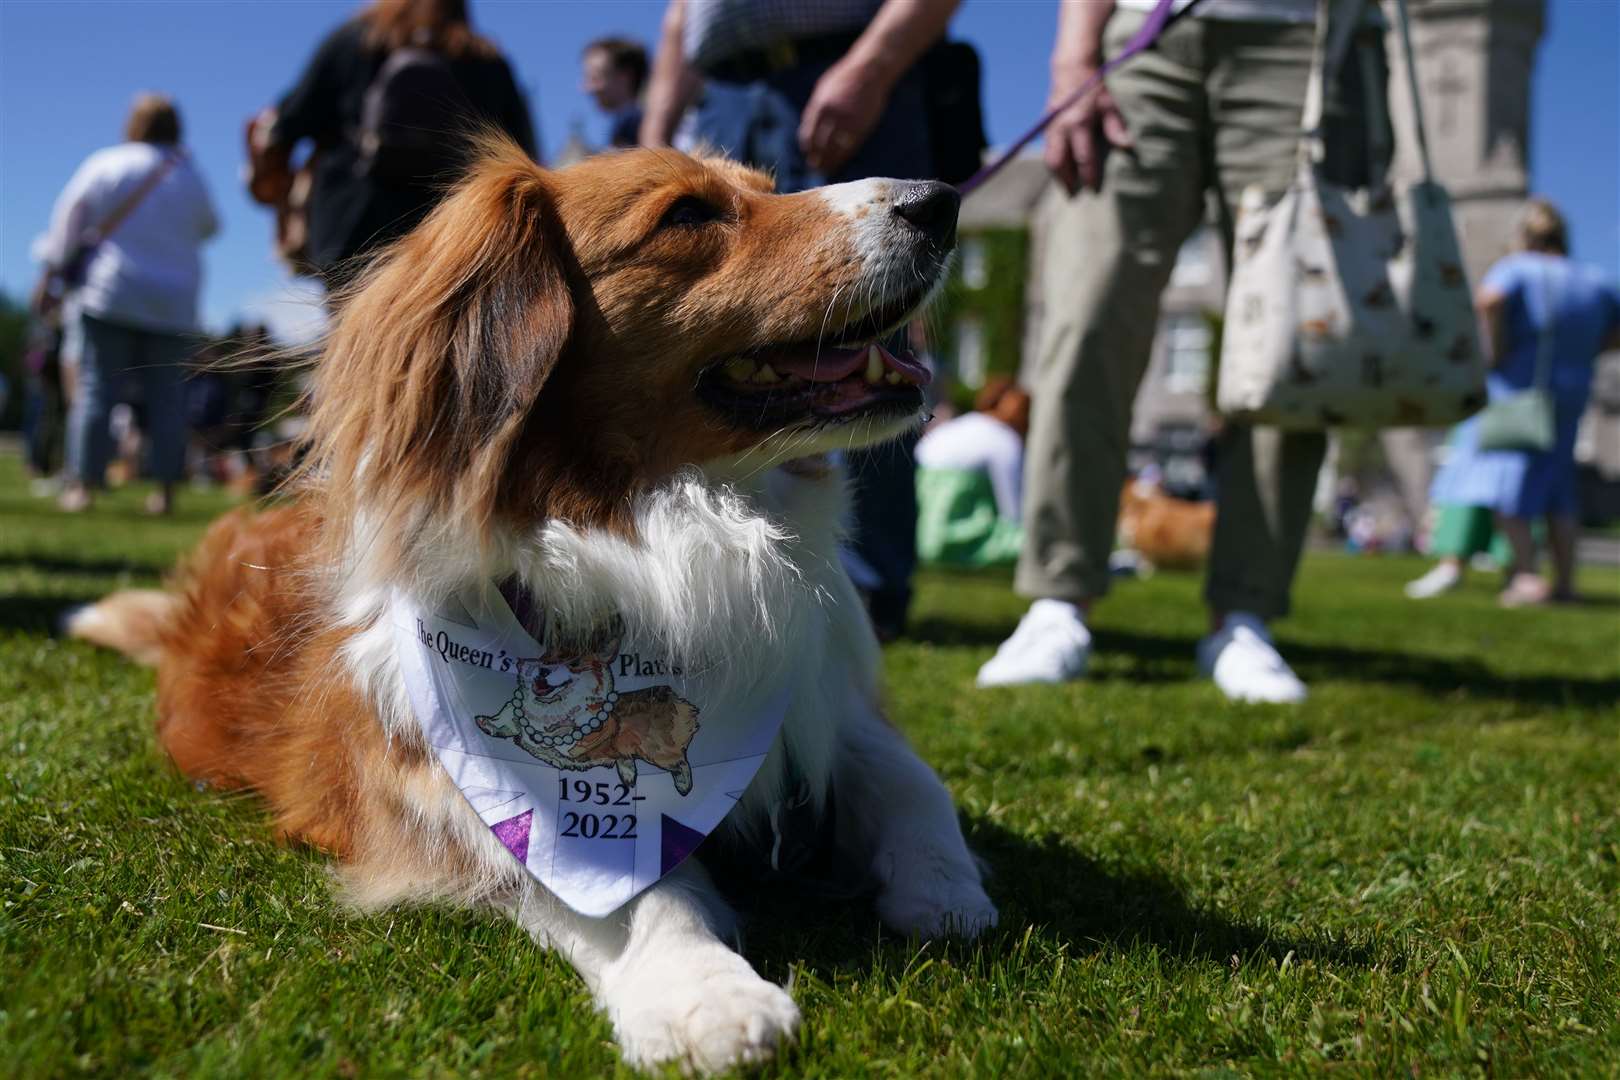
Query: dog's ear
606, 641
440, 351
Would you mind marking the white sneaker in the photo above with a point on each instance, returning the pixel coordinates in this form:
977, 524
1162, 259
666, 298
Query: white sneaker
1051, 645
1246, 666
1441, 579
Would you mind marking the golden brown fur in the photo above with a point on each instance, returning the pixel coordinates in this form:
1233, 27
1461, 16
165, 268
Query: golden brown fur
577, 382
1173, 534
427, 410
436, 365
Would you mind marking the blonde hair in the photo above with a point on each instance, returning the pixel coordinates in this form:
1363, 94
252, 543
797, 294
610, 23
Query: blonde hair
1542, 228
153, 119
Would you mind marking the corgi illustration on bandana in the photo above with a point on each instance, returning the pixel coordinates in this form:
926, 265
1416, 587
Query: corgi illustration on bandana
601, 764
566, 712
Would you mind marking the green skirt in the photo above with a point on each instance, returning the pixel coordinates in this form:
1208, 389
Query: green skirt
957, 523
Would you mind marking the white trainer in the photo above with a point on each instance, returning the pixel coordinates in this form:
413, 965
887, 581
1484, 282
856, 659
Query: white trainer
1442, 578
1051, 645
1246, 666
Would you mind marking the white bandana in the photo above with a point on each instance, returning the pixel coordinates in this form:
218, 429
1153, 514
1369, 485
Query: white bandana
600, 773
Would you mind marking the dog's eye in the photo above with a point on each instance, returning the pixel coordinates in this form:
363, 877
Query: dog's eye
689, 210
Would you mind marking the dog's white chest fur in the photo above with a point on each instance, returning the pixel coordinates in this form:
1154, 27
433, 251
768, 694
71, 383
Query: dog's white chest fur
748, 572
742, 580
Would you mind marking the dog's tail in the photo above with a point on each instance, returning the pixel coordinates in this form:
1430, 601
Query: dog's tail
132, 621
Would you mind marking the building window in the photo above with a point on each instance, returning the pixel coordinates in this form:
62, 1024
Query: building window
1186, 354
970, 358
1193, 261
975, 266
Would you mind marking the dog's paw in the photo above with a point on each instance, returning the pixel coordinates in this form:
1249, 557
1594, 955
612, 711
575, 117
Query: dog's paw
932, 902
705, 1021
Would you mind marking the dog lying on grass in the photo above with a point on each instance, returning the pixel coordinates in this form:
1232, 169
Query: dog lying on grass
581, 381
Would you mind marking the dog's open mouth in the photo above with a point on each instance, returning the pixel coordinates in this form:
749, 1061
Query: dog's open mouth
780, 385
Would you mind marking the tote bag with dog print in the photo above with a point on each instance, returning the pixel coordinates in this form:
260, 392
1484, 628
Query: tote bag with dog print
600, 768
1349, 307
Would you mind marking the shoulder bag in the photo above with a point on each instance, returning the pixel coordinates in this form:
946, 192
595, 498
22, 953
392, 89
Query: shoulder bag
1525, 420
1349, 307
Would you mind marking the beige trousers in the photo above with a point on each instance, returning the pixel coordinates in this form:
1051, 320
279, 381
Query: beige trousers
1215, 106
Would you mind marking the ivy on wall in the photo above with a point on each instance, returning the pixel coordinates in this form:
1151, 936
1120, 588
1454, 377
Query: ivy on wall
998, 304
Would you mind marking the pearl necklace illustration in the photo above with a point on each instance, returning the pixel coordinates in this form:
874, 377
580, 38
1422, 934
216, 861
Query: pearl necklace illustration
565, 742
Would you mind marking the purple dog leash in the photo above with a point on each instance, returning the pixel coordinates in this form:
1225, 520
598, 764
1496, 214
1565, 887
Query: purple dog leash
1158, 20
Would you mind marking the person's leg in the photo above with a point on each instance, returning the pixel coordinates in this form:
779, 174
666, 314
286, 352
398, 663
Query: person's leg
1524, 585
1258, 83
1460, 533
35, 437
162, 373
1107, 258
758, 123
1267, 479
1521, 542
1562, 511
1409, 454
882, 479
1562, 532
104, 356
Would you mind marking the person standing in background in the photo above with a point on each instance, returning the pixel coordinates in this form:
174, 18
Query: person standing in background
1215, 106
132, 219
361, 199
1536, 295
816, 92
614, 71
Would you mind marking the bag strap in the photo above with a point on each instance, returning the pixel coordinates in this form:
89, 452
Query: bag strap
1549, 321
1380, 138
1336, 24
136, 197
1417, 98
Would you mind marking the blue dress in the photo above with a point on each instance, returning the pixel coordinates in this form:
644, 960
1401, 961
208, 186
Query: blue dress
1586, 311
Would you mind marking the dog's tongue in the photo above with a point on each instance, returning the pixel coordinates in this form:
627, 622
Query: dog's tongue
833, 365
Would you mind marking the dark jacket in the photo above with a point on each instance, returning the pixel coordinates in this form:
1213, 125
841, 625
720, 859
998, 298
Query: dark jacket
350, 213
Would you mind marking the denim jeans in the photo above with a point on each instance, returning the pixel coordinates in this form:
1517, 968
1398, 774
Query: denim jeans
111, 353
758, 123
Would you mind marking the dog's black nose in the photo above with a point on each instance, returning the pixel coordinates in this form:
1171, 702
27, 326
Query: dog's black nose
931, 207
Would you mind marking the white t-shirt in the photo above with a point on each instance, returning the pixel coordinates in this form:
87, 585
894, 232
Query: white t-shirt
976, 440
148, 272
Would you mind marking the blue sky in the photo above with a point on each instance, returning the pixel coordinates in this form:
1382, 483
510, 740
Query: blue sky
68, 69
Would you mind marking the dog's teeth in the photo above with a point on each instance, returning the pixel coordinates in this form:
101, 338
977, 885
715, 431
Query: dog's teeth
766, 374
740, 369
874, 365
893, 378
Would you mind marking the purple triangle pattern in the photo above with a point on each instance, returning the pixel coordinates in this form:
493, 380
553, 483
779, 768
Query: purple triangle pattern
514, 833
676, 842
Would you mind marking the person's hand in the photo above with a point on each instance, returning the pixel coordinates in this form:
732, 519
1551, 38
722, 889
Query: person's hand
1081, 135
845, 106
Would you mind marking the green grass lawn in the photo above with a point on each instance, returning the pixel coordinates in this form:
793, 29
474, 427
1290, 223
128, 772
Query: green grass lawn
1415, 873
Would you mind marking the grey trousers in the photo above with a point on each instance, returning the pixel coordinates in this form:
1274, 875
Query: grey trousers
1215, 106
